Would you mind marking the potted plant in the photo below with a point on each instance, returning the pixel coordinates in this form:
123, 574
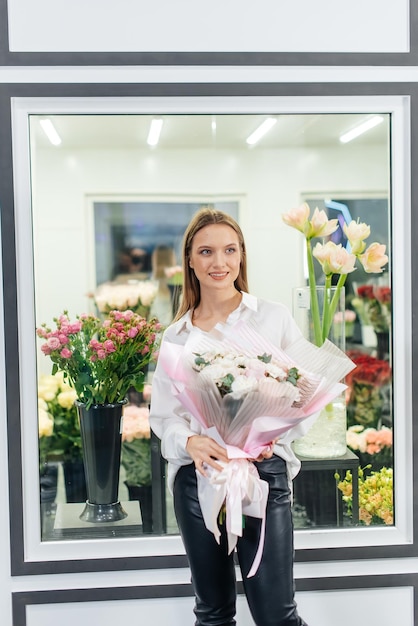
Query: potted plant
101, 360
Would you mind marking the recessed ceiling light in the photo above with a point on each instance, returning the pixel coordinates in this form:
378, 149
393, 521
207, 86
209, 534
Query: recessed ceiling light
50, 132
361, 128
261, 131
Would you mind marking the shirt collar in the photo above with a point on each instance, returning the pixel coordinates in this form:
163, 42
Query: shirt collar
248, 302
184, 323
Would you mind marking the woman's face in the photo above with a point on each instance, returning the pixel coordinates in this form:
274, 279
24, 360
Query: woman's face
215, 256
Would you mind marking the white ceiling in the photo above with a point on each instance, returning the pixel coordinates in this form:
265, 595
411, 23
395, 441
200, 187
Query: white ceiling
195, 131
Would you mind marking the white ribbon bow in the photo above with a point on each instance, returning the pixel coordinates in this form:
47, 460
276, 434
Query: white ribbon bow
240, 487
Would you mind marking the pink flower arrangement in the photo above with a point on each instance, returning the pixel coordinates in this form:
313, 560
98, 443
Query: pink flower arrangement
136, 443
135, 423
101, 360
369, 440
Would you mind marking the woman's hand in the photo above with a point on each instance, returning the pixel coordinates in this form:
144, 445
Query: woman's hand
267, 452
205, 451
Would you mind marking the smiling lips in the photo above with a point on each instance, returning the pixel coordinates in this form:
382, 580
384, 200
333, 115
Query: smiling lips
218, 276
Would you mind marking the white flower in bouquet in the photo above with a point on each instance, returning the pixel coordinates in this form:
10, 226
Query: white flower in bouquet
243, 384
280, 373
239, 374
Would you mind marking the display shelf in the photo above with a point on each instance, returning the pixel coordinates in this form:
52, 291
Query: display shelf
315, 488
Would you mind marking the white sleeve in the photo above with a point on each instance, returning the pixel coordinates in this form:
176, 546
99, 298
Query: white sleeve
275, 322
168, 419
291, 331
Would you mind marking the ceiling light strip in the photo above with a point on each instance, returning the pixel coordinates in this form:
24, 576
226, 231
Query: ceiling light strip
361, 128
155, 132
262, 130
50, 131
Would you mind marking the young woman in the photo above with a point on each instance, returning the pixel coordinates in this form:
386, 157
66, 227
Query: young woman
215, 291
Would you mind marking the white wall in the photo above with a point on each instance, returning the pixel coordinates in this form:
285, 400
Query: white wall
270, 182
178, 612
382, 27
137, 25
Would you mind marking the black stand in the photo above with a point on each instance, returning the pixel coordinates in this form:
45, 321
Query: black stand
158, 472
143, 493
315, 488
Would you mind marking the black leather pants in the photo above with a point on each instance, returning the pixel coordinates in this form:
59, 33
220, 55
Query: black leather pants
270, 592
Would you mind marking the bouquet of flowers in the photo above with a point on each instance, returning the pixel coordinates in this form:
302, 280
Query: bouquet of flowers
246, 393
365, 383
237, 375
136, 449
101, 360
373, 303
334, 259
375, 495
135, 295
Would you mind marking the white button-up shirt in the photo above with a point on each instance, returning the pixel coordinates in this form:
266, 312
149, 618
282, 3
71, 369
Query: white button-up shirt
168, 418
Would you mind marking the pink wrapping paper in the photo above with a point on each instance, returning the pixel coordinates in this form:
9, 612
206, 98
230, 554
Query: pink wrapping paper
264, 415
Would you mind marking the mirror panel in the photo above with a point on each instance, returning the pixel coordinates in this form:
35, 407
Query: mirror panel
103, 193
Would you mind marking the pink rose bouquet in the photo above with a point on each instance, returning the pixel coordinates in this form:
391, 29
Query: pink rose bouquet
101, 360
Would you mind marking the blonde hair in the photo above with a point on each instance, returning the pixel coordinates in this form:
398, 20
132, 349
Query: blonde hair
191, 287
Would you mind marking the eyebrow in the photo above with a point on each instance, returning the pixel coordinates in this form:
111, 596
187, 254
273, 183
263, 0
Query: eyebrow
228, 245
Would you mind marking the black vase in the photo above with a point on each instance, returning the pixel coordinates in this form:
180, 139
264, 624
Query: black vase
101, 439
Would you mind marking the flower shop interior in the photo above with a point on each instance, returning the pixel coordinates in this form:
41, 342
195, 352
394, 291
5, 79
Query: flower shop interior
92, 221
